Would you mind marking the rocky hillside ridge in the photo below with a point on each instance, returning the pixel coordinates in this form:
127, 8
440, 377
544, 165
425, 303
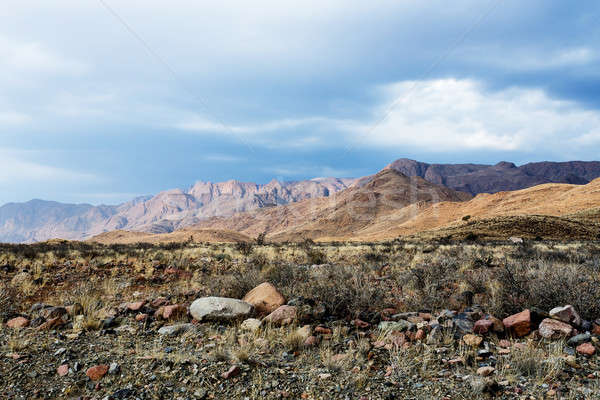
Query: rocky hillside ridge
504, 176
39, 220
345, 214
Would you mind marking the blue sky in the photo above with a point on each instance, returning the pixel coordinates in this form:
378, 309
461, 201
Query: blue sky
103, 100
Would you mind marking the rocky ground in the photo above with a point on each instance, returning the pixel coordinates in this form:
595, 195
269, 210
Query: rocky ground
138, 341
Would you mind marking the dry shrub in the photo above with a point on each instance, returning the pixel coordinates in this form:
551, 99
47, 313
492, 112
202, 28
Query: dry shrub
545, 285
345, 291
10, 302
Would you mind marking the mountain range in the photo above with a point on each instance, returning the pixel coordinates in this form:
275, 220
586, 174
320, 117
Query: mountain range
250, 208
39, 220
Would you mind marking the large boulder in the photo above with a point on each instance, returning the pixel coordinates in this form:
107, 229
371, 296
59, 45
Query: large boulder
265, 298
220, 309
554, 329
518, 324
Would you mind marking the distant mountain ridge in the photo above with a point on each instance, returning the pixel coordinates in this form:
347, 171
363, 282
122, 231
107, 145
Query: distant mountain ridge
38, 220
175, 209
504, 176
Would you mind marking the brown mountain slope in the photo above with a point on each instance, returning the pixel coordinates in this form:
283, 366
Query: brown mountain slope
549, 200
389, 205
344, 214
195, 235
524, 226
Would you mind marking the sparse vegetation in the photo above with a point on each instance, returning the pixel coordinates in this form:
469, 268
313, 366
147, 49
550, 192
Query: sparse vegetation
331, 284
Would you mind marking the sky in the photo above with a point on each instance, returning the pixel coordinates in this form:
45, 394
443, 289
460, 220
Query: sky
105, 100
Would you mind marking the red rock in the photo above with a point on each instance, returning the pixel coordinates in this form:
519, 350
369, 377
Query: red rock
137, 306
596, 330
361, 324
265, 298
311, 341
586, 349
518, 324
141, 317
174, 311
426, 316
51, 324
553, 329
19, 322
62, 370
379, 344
283, 315
232, 372
161, 301
420, 335
483, 326
339, 357
322, 330
504, 343
97, 372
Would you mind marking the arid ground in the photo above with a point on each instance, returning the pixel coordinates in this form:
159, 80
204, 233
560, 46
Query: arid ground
413, 319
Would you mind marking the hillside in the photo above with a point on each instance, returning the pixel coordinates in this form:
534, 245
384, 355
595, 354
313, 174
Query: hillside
165, 212
504, 176
345, 214
544, 200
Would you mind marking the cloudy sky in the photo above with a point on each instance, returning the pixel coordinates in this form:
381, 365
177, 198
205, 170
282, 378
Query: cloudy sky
103, 100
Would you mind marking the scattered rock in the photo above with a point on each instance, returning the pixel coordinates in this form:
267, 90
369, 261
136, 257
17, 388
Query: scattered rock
579, 339
284, 315
231, 373
586, 349
311, 341
97, 372
566, 314
174, 330
220, 309
472, 340
485, 371
136, 306
141, 317
400, 325
174, 311
554, 329
114, 368
51, 324
62, 370
265, 298
463, 325
361, 324
53, 312
483, 326
251, 324
518, 324
323, 331
18, 322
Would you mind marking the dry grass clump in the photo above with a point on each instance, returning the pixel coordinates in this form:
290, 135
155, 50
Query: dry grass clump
543, 363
